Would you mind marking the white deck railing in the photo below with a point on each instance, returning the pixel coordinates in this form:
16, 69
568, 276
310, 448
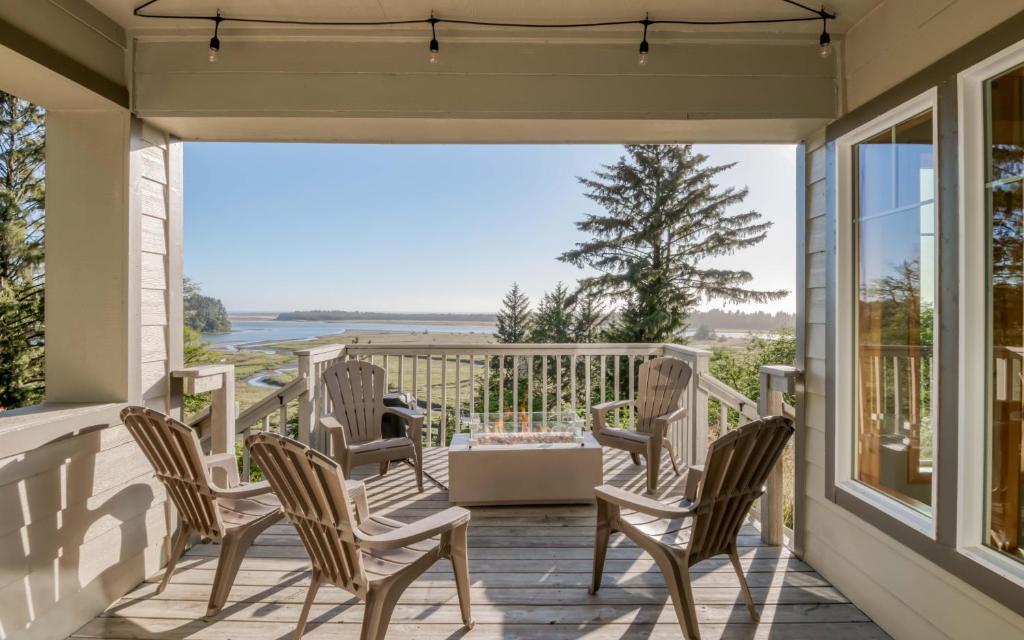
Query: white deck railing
452, 381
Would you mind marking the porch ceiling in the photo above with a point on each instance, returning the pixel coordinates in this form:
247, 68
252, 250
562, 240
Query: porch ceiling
848, 11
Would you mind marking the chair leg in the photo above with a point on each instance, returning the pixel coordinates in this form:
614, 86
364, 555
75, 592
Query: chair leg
418, 463
384, 467
677, 579
734, 556
602, 532
232, 551
635, 457
314, 586
459, 554
176, 550
653, 465
380, 604
672, 456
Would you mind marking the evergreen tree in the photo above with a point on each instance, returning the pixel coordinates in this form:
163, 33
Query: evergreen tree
589, 319
514, 319
663, 218
204, 313
22, 221
554, 320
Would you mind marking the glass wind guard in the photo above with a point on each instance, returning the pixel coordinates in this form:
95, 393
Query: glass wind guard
524, 429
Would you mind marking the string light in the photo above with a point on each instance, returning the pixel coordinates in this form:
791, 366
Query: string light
435, 48
644, 47
824, 41
215, 41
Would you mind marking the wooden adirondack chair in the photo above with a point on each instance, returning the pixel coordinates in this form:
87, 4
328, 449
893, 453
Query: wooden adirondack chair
371, 557
232, 516
661, 386
357, 396
702, 524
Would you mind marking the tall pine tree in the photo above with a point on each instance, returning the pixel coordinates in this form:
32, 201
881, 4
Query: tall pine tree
21, 252
664, 217
514, 319
554, 320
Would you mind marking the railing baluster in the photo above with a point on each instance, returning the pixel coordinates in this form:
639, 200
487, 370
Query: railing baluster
282, 420
472, 384
529, 386
588, 363
604, 373
558, 383
618, 386
245, 458
401, 374
544, 383
515, 389
430, 402
387, 374
572, 381
632, 387
416, 379
501, 386
458, 391
443, 426
487, 388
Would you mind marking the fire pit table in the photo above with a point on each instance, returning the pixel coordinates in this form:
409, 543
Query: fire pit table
523, 458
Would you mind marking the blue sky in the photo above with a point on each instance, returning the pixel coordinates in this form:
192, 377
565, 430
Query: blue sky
443, 228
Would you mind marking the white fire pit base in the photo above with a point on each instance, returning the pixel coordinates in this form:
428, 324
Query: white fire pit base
523, 473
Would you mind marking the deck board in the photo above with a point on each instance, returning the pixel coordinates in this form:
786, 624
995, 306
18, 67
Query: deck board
529, 567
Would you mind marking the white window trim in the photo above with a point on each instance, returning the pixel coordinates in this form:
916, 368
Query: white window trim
844, 319
974, 410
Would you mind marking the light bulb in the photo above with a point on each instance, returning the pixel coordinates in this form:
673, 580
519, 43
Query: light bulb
214, 48
435, 50
825, 45
644, 52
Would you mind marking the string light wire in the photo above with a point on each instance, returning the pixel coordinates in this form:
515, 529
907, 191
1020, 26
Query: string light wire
824, 40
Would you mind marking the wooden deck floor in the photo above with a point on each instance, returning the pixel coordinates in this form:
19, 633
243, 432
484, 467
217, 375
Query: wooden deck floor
529, 567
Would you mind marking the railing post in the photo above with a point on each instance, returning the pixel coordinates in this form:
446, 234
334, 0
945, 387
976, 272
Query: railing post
307, 400
220, 381
775, 380
697, 411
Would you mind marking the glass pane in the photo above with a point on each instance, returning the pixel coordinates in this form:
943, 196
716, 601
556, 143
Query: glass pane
875, 175
1006, 209
894, 229
1005, 98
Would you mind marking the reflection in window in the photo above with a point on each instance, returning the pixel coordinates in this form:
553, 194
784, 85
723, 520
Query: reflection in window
1005, 170
894, 232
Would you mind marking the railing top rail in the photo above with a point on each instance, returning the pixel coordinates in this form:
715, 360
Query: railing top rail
321, 350
271, 403
203, 370
731, 397
682, 348
506, 349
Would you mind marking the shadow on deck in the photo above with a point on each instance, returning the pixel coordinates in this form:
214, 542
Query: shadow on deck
529, 566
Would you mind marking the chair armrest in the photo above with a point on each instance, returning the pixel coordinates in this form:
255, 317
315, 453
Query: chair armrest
339, 442
408, 414
225, 462
357, 494
598, 410
250, 490
694, 475
428, 527
605, 407
642, 504
672, 416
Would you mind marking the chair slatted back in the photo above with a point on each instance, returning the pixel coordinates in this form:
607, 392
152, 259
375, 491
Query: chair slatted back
660, 388
313, 496
175, 453
735, 472
357, 397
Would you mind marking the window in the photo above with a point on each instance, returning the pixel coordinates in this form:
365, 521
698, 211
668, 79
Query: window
1004, 215
894, 236
886, 313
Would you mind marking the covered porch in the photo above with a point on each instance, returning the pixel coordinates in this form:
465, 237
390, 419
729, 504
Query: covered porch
529, 569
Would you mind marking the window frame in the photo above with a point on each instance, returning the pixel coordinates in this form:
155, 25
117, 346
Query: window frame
845, 320
974, 456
